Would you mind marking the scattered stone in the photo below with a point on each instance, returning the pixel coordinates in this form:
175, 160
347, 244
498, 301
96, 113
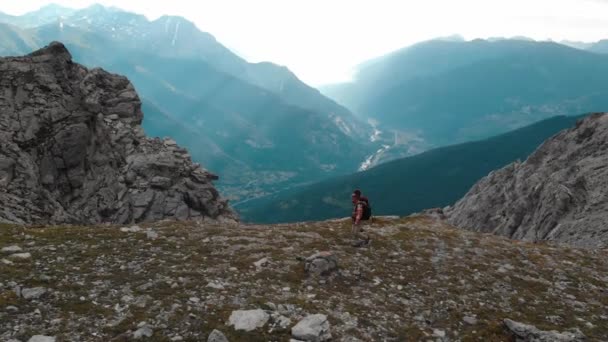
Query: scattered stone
261, 263
322, 263
144, 331
33, 293
314, 328
132, 229
11, 249
41, 338
217, 336
215, 285
7, 262
438, 333
248, 320
150, 234
470, 320
12, 308
280, 322
529, 333
20, 256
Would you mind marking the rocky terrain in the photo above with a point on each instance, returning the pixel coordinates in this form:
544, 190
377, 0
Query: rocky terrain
72, 150
557, 194
420, 280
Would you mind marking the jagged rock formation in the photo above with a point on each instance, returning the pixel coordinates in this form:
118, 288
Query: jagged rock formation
72, 150
557, 194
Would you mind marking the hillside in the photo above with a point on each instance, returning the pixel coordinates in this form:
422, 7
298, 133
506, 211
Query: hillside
475, 89
248, 111
421, 279
556, 194
432, 179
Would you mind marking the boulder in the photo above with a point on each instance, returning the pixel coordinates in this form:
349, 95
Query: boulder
313, 328
248, 320
322, 263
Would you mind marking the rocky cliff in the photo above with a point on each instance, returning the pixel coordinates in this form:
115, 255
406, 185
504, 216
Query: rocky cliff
557, 194
72, 150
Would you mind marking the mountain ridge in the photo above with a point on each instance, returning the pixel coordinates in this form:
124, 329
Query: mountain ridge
556, 194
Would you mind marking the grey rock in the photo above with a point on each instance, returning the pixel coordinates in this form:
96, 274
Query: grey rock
11, 249
33, 293
150, 234
261, 263
248, 320
322, 263
529, 333
470, 320
558, 194
41, 338
314, 328
280, 322
132, 229
20, 256
217, 336
144, 331
72, 150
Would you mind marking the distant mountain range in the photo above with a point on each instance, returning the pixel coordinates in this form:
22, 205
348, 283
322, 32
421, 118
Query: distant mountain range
432, 179
241, 120
451, 91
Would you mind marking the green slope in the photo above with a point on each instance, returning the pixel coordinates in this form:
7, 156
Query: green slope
432, 179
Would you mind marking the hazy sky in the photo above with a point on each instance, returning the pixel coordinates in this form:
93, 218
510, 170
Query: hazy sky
321, 40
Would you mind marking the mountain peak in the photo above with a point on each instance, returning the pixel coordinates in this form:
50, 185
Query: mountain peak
55, 49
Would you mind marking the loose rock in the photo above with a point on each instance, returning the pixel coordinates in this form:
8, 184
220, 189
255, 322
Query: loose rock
248, 320
314, 328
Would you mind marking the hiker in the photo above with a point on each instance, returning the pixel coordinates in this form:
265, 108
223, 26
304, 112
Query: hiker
361, 212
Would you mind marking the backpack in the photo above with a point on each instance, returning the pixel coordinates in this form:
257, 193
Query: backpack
367, 209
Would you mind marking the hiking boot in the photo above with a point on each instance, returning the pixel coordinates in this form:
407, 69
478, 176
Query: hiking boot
358, 243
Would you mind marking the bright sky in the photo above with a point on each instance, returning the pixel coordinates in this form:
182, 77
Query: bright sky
321, 40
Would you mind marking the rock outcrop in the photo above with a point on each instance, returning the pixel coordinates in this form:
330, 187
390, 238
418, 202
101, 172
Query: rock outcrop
557, 194
529, 333
72, 150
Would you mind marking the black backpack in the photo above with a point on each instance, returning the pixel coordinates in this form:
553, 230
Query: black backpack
367, 209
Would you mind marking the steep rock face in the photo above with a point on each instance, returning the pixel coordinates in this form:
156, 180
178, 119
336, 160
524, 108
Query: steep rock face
557, 194
72, 150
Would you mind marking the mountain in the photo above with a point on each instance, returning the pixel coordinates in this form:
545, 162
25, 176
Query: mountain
448, 92
13, 40
576, 44
557, 194
45, 15
432, 179
599, 47
249, 117
72, 150
421, 280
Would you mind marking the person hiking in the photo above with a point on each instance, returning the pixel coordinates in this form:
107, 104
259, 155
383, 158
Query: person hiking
361, 212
